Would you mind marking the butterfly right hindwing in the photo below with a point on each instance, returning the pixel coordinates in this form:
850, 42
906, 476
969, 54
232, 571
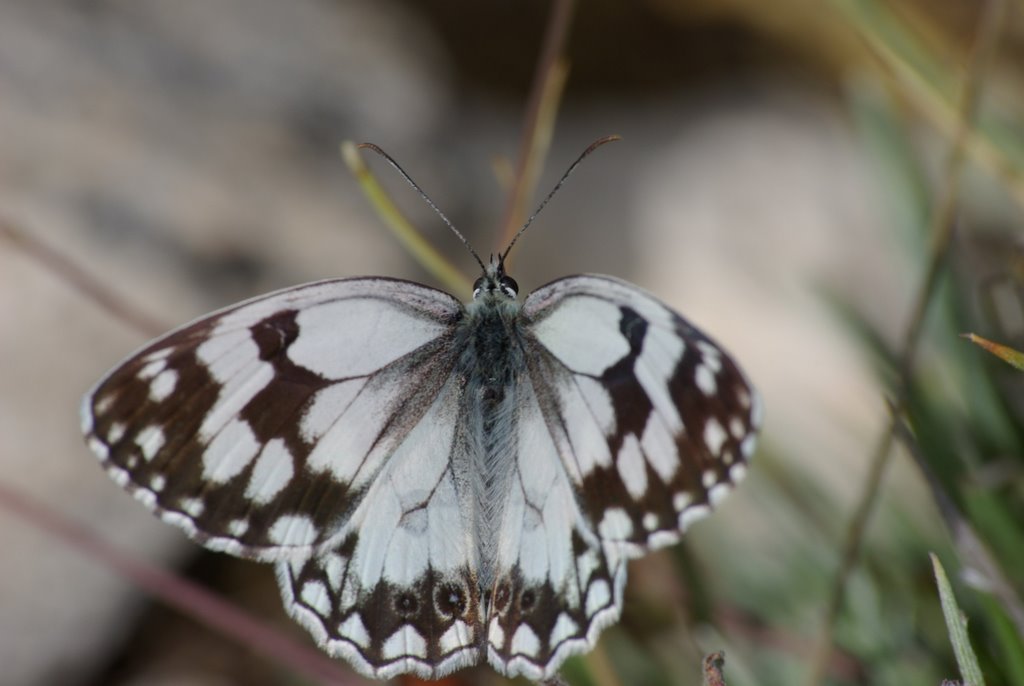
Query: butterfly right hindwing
556, 586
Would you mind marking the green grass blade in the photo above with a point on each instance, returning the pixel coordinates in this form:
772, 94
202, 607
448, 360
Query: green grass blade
956, 625
1003, 352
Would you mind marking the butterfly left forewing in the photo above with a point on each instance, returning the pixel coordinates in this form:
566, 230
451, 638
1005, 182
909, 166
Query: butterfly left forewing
258, 429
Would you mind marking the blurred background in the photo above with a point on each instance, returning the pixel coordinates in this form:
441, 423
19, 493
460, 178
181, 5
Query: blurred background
784, 172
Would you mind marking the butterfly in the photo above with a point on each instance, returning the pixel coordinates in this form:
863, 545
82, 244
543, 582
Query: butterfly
439, 484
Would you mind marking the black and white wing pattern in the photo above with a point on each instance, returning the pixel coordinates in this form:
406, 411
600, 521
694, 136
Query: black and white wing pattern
438, 485
647, 424
315, 427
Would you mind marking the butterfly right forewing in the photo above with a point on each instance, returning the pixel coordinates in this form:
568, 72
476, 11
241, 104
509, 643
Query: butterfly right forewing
655, 420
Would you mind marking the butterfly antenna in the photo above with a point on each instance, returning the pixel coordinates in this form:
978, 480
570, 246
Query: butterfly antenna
591, 148
426, 198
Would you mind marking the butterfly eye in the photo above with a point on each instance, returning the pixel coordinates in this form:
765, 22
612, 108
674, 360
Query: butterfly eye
478, 286
509, 286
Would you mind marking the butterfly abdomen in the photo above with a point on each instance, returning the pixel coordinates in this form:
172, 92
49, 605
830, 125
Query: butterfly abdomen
491, 363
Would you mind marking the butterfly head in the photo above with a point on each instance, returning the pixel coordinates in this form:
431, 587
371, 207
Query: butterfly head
495, 283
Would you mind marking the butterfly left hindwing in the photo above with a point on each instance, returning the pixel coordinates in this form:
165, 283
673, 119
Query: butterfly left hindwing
397, 590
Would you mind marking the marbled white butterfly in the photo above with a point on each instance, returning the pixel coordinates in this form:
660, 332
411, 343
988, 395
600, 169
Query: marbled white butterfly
438, 484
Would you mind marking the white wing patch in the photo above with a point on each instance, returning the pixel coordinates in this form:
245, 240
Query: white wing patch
356, 349
231, 450
660, 356
326, 406
273, 471
583, 336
